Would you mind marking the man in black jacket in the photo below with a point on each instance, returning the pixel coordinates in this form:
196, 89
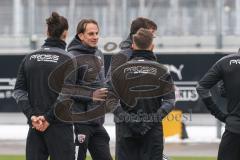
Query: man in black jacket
90, 134
226, 70
143, 103
126, 49
36, 94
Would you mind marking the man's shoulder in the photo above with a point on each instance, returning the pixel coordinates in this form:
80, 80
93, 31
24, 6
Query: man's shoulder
127, 52
98, 52
228, 59
49, 54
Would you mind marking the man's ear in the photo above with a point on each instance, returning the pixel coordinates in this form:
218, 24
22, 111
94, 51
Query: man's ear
48, 34
133, 46
64, 35
80, 36
152, 47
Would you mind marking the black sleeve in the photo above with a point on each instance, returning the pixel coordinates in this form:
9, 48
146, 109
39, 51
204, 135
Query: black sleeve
209, 80
49, 115
222, 89
168, 100
203, 88
20, 93
102, 70
69, 88
112, 102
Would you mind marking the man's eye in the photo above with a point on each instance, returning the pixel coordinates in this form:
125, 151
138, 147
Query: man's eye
91, 34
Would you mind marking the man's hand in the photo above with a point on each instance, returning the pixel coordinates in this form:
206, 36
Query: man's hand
44, 125
39, 123
100, 94
139, 128
36, 123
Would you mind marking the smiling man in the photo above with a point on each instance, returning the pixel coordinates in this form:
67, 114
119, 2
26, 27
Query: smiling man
90, 134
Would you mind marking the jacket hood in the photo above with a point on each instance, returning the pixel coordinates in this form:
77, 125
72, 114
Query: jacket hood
77, 45
126, 44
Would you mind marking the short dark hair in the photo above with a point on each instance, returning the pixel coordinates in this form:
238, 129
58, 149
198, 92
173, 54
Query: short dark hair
56, 25
142, 22
151, 24
81, 27
143, 38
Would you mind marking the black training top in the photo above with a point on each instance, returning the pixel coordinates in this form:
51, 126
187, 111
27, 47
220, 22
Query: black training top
32, 91
226, 69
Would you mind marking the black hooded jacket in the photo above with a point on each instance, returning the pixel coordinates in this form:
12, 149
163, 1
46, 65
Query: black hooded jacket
91, 74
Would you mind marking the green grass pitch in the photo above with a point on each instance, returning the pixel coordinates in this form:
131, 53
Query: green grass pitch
8, 157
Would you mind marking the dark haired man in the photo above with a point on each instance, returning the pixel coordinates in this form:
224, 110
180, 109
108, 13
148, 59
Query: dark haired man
140, 22
139, 124
126, 49
91, 134
47, 136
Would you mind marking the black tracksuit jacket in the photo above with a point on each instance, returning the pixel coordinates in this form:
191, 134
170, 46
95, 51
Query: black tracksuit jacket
226, 69
32, 91
163, 104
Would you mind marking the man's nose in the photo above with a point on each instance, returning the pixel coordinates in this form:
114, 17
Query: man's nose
96, 36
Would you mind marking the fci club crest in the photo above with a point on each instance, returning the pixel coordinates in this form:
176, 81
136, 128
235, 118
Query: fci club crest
81, 138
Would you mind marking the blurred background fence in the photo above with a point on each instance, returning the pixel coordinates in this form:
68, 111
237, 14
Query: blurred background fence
202, 24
